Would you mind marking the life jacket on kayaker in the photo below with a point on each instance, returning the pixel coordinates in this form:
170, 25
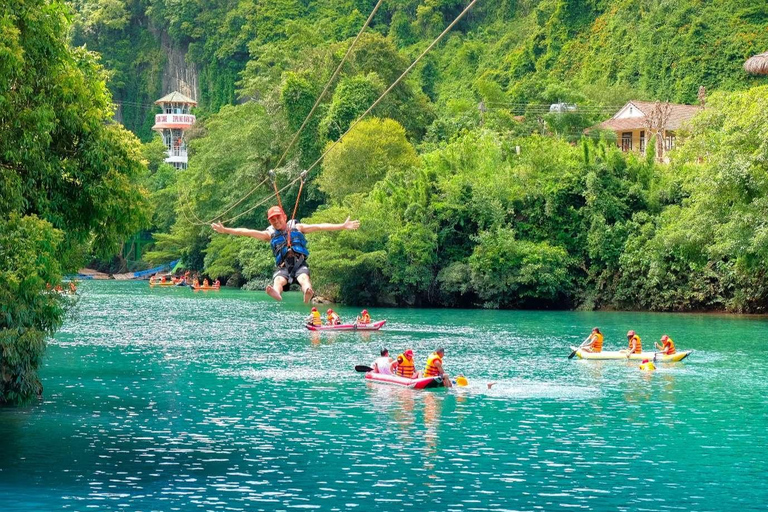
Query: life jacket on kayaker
405, 365
647, 365
596, 343
333, 317
315, 318
365, 318
431, 370
667, 345
279, 243
635, 345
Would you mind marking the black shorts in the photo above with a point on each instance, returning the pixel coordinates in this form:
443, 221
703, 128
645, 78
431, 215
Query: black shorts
291, 271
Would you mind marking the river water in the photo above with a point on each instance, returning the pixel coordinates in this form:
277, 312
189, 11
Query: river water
178, 400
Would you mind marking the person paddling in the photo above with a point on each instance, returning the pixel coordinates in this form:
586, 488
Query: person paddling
434, 367
383, 364
667, 346
333, 317
594, 343
289, 247
364, 317
635, 344
315, 318
404, 366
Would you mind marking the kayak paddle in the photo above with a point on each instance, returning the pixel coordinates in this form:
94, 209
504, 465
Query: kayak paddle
580, 347
363, 369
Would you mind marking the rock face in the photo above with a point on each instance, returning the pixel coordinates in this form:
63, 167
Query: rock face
318, 299
178, 74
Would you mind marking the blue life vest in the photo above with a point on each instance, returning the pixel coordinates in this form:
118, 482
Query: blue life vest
279, 243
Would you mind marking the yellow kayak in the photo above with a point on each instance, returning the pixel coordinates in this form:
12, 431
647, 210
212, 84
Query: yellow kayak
660, 358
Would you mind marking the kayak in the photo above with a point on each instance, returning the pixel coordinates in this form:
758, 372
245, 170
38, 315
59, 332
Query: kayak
423, 383
374, 326
616, 355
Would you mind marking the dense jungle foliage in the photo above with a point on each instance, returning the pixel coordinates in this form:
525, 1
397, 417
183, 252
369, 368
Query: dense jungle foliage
69, 176
503, 206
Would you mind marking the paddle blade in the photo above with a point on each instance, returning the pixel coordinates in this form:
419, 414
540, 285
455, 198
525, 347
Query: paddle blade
363, 369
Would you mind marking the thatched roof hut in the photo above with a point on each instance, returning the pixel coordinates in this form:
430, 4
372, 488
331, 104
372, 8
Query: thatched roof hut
757, 64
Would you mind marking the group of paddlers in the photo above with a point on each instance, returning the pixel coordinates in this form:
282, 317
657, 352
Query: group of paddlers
333, 318
405, 366
594, 344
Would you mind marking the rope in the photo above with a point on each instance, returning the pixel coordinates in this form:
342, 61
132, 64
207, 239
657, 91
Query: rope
306, 119
328, 84
394, 84
227, 221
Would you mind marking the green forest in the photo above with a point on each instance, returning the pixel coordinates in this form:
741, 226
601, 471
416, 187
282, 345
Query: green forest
470, 192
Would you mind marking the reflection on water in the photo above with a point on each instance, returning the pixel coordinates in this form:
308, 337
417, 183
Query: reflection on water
163, 400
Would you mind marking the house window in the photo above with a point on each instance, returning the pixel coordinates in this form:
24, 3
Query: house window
626, 141
669, 142
642, 141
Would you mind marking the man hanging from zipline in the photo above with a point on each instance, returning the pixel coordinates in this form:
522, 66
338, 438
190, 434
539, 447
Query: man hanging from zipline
289, 247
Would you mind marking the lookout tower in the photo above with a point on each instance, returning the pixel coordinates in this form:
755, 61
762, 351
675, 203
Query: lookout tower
172, 123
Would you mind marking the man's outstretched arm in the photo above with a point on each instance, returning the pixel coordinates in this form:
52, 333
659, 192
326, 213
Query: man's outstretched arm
253, 233
347, 224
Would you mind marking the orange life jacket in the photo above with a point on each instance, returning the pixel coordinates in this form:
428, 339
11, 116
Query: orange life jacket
638, 344
405, 367
365, 319
669, 347
597, 343
431, 370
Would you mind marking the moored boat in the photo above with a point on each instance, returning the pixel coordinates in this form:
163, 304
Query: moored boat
373, 326
422, 383
617, 355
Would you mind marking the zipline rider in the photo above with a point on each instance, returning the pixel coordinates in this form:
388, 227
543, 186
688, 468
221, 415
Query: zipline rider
289, 247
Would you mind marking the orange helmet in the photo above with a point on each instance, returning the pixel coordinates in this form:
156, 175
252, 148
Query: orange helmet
275, 211
329, 311
365, 311
664, 338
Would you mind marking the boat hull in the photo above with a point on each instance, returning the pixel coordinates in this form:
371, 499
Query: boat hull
618, 356
394, 380
373, 326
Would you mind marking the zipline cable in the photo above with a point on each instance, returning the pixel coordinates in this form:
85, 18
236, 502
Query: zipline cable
309, 115
395, 83
375, 103
328, 84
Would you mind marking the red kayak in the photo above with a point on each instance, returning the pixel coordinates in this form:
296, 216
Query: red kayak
374, 326
423, 383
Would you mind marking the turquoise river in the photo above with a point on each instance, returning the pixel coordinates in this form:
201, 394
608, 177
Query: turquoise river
168, 399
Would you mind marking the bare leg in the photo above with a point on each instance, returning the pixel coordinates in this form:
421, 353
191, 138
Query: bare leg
447, 380
306, 287
276, 289
490, 385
